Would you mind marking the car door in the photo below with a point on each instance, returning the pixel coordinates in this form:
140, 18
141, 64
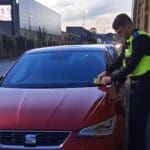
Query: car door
115, 94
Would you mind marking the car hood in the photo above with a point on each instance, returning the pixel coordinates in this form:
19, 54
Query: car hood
44, 109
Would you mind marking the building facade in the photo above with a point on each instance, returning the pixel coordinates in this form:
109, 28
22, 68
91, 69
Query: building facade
33, 15
80, 34
16, 15
9, 14
27, 24
141, 14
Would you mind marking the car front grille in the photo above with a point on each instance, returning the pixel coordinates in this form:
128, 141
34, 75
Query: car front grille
36, 138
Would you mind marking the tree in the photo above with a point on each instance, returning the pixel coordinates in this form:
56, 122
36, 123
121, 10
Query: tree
42, 34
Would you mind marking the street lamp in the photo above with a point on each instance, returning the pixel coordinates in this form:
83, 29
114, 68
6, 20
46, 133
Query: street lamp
84, 19
17, 1
29, 25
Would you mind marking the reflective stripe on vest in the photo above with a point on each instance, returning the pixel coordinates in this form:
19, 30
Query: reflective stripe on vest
124, 63
144, 64
127, 54
142, 67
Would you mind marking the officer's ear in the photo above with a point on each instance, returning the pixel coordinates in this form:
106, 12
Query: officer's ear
129, 28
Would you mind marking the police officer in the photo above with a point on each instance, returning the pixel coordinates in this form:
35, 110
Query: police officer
135, 60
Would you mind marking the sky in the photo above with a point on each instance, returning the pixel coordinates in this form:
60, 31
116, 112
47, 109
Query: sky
97, 14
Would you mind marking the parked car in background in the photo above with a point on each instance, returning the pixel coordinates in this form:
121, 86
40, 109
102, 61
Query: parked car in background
49, 101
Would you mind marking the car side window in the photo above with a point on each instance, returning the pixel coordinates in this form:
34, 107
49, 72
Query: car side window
113, 53
108, 59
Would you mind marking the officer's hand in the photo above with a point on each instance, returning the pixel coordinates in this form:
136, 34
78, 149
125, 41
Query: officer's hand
101, 75
105, 80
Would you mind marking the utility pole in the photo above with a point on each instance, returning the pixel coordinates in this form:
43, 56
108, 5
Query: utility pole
29, 23
84, 12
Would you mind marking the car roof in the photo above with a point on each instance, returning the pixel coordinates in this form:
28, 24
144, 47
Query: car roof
95, 47
107, 45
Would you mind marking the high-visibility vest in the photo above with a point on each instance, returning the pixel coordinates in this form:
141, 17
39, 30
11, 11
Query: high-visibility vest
144, 65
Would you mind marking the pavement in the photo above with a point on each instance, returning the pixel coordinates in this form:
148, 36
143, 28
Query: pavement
5, 65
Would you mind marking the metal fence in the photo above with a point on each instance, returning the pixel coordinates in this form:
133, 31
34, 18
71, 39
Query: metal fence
14, 47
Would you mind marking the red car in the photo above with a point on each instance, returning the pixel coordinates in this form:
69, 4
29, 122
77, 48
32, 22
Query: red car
48, 101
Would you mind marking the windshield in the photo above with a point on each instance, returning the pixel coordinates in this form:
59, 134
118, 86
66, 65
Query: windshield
56, 69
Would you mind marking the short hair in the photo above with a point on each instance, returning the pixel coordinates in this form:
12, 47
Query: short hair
121, 20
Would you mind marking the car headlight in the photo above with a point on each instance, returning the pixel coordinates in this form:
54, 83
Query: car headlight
101, 129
